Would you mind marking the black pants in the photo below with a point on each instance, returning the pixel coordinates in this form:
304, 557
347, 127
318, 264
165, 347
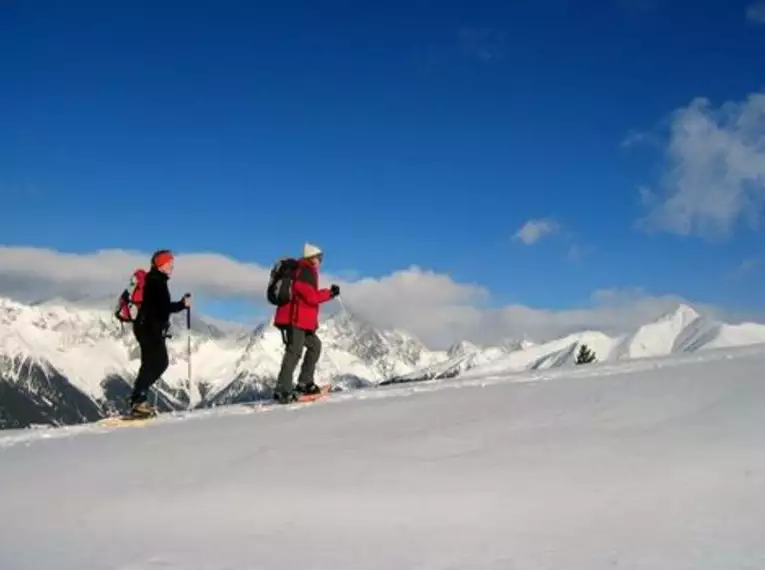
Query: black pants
154, 362
295, 341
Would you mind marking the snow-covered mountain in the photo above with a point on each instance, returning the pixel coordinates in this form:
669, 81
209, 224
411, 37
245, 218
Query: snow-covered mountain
680, 331
66, 363
63, 363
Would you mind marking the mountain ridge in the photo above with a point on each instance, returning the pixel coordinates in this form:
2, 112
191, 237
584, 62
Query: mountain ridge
64, 363
679, 330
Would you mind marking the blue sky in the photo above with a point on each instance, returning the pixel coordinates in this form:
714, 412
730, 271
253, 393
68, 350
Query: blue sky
392, 134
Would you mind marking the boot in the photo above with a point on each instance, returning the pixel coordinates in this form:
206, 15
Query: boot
308, 389
286, 397
143, 410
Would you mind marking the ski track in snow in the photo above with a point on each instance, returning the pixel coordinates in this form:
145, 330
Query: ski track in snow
644, 465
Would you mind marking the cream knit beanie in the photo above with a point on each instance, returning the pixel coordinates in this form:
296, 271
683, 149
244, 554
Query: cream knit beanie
310, 250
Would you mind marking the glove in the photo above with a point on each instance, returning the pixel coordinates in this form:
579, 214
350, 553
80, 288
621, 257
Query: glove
334, 291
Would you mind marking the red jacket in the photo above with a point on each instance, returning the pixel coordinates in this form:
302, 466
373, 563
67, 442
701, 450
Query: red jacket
303, 311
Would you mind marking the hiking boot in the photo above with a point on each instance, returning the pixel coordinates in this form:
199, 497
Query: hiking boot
308, 389
286, 397
143, 410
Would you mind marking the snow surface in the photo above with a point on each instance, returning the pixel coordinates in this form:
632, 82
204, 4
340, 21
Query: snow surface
650, 464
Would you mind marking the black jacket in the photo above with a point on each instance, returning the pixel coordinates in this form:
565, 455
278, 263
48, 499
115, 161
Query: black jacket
156, 307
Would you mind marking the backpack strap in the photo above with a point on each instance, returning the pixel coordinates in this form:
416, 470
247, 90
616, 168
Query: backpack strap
294, 301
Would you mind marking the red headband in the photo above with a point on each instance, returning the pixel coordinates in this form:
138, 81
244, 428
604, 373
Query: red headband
162, 258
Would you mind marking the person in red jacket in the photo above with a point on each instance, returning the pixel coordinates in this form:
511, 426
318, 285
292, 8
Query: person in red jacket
298, 321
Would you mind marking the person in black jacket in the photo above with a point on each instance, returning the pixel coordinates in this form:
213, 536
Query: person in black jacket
150, 328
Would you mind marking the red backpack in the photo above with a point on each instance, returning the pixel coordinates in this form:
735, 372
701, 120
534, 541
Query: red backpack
131, 298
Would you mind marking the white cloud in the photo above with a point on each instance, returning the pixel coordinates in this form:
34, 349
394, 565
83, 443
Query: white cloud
610, 310
756, 12
430, 305
34, 272
533, 230
715, 172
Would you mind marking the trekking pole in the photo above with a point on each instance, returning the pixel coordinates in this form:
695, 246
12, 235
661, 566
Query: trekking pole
188, 347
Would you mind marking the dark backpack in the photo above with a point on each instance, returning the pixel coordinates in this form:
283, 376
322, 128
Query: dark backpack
279, 291
131, 298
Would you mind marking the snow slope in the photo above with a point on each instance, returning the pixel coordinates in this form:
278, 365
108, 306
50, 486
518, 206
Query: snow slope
650, 464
